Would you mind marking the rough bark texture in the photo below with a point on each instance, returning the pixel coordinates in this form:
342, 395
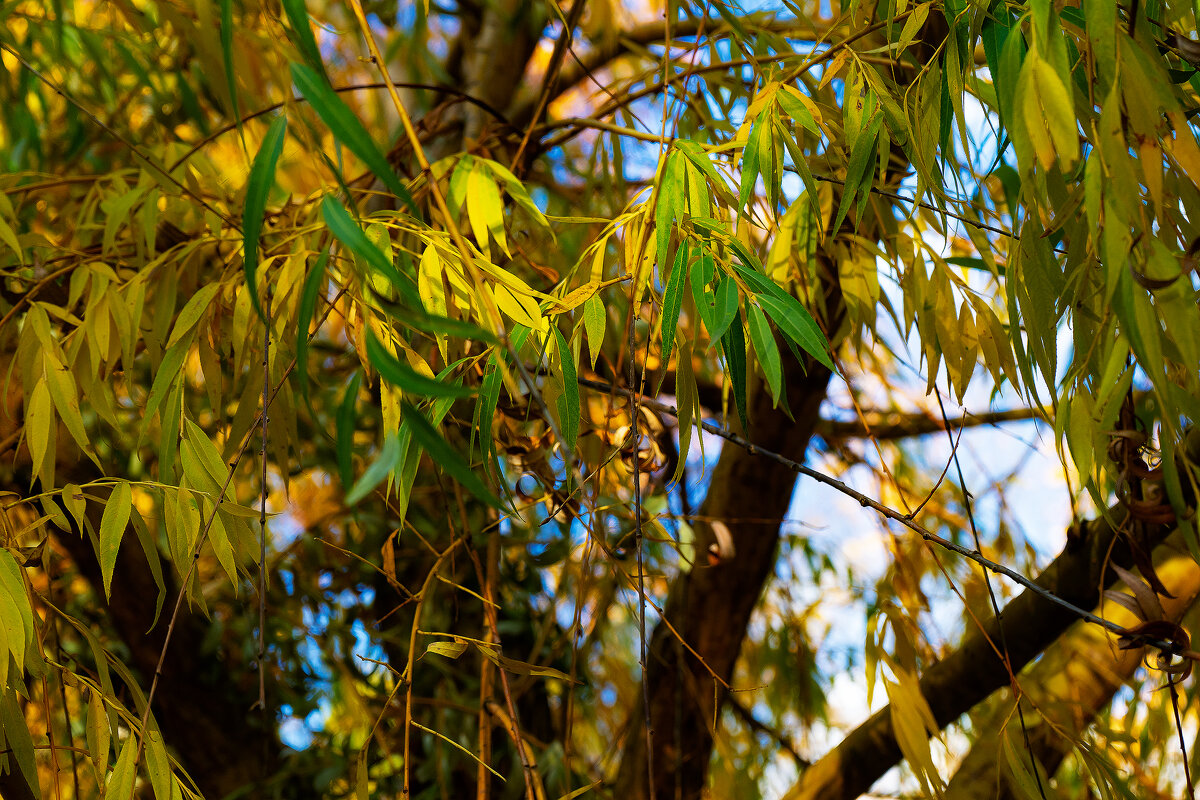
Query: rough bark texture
1073, 683
969, 675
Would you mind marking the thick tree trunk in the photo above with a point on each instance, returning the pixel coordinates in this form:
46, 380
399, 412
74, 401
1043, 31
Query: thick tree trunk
710, 606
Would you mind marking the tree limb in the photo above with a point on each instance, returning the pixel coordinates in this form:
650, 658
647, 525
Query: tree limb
957, 683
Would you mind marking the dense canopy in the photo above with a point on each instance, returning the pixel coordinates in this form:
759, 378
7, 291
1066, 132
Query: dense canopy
504, 398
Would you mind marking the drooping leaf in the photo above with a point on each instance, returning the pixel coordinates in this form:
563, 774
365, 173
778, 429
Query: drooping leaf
383, 465
445, 456
112, 529
789, 314
673, 300
297, 15
308, 305
258, 186
569, 400
725, 306
346, 416
20, 743
595, 319
349, 130
396, 372
733, 344
766, 350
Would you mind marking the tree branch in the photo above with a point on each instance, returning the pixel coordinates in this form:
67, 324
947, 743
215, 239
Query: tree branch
904, 426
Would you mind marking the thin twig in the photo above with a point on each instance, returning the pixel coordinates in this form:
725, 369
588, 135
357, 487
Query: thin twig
892, 514
991, 592
107, 129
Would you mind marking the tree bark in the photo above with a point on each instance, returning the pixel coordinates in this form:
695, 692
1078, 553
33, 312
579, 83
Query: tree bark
969, 675
1073, 682
710, 606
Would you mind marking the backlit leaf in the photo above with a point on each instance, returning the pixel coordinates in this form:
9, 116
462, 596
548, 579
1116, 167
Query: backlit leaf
672, 301
112, 529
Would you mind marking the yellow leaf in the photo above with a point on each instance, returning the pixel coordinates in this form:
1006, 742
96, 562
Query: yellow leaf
10, 238
1049, 114
485, 210
39, 423
519, 308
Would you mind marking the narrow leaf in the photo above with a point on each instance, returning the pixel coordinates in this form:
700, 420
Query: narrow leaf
766, 350
348, 232
20, 743
672, 301
789, 314
445, 456
308, 305
349, 130
394, 371
570, 396
387, 460
345, 429
734, 345
262, 178
112, 528
302, 34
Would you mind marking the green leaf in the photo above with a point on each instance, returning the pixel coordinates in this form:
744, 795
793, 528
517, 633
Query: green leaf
387, 460
297, 15
158, 764
345, 429
308, 305
209, 457
726, 306
15, 634
164, 379
705, 302
673, 301
112, 528
192, 311
348, 232
485, 410
444, 455
595, 319
262, 178
569, 401
20, 743
734, 346
669, 199
349, 130
61, 383
394, 371
120, 782
789, 314
766, 350
445, 326
750, 166
227, 57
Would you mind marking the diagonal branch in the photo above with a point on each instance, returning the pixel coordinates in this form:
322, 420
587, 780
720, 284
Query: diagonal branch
902, 426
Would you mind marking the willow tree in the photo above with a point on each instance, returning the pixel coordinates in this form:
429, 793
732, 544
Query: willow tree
407, 400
